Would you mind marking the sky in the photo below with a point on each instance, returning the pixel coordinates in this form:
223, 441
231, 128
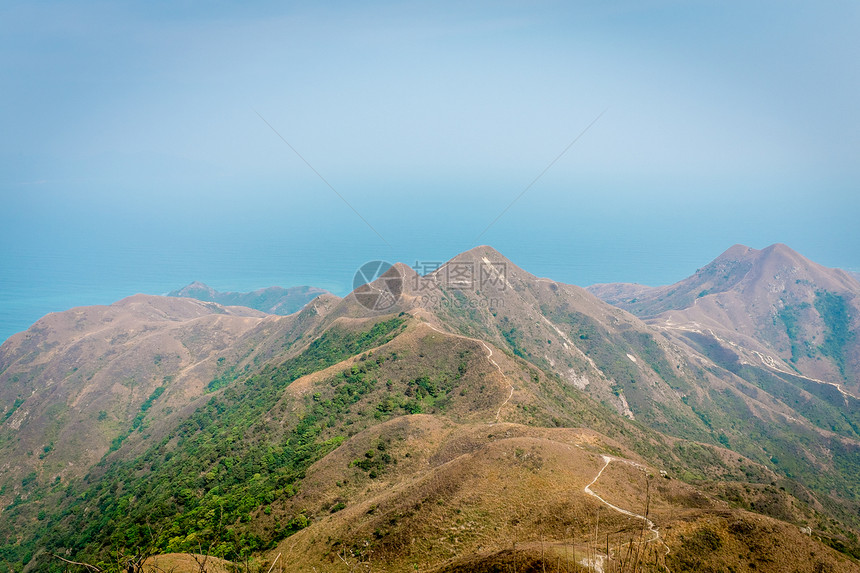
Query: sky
148, 144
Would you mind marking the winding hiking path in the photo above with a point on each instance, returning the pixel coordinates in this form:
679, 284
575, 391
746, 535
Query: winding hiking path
651, 527
489, 358
766, 360
588, 490
598, 561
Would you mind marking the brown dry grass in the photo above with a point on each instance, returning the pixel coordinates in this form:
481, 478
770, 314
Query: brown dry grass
742, 541
494, 497
186, 563
461, 491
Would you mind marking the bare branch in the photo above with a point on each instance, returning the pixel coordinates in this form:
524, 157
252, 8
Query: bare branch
87, 565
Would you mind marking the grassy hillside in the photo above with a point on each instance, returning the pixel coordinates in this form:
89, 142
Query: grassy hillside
525, 426
200, 481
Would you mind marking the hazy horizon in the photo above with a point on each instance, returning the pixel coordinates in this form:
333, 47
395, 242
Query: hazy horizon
135, 158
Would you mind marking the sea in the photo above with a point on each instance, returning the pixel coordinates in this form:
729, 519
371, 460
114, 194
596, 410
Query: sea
55, 256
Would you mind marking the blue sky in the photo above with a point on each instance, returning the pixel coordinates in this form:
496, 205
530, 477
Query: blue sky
131, 136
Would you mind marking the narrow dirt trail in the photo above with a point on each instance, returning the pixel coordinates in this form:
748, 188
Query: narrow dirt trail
588, 490
650, 524
767, 361
599, 560
489, 358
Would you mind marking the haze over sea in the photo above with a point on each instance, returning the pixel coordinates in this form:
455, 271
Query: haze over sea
136, 155
75, 255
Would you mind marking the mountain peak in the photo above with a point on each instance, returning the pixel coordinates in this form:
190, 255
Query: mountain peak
780, 247
736, 252
402, 269
783, 251
742, 263
196, 290
783, 300
483, 251
773, 272
741, 252
487, 256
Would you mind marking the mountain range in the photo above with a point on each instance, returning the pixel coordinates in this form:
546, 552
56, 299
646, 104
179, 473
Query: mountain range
478, 418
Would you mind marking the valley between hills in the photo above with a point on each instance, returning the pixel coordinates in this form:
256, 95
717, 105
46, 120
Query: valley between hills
478, 418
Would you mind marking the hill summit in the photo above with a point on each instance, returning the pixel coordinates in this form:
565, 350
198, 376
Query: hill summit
773, 302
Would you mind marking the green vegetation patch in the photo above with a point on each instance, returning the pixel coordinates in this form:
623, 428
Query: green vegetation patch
790, 318
15, 405
833, 310
197, 488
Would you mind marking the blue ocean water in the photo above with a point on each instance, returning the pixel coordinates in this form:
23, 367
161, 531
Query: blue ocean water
32, 287
60, 253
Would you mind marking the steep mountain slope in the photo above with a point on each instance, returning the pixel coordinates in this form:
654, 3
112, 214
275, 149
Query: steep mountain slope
560, 328
235, 480
79, 383
672, 384
474, 419
773, 305
783, 329
272, 300
682, 394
